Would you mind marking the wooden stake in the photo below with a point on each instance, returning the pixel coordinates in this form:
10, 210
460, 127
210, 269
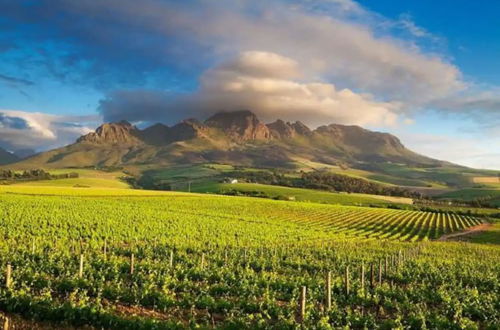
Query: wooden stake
33, 247
385, 266
380, 272
302, 310
328, 291
372, 276
363, 277
132, 264
6, 325
202, 263
80, 271
8, 276
105, 249
347, 280
171, 258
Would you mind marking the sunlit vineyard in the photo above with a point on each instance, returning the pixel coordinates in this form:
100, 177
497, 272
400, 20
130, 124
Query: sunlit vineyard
166, 261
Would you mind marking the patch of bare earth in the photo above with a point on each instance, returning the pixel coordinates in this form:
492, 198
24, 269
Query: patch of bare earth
468, 232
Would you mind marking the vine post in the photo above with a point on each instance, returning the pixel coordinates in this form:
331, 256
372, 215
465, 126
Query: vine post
347, 281
328, 291
80, 270
8, 276
302, 304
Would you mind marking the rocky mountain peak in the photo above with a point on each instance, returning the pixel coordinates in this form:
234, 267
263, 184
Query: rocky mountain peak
279, 129
301, 128
188, 129
157, 134
240, 125
112, 133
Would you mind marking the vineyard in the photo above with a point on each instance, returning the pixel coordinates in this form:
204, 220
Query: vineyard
143, 260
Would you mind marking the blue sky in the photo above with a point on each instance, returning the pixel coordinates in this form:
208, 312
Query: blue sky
469, 31
423, 70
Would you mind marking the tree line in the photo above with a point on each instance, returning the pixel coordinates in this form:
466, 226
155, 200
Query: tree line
324, 181
33, 175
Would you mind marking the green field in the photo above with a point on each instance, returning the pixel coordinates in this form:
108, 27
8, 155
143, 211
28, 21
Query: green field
491, 236
207, 178
87, 178
493, 195
135, 259
300, 194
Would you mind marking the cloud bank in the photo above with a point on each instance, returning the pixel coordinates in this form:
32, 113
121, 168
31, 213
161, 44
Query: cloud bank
266, 83
39, 131
123, 44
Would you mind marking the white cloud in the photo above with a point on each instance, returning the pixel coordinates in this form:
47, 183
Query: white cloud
39, 131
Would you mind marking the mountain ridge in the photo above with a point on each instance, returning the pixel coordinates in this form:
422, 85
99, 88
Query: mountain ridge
237, 137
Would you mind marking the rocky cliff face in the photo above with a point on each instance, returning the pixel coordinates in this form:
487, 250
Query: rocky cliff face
240, 126
281, 130
188, 129
113, 133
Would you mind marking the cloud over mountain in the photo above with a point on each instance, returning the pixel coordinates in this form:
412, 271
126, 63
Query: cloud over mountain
338, 42
267, 83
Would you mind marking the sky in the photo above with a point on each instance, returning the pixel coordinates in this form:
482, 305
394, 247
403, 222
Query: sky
423, 70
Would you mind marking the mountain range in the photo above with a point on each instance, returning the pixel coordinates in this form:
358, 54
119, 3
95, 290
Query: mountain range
237, 138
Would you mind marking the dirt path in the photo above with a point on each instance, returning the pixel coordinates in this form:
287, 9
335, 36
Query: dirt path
468, 231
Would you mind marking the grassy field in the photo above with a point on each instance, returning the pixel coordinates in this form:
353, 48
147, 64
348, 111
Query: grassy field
207, 178
493, 195
491, 236
300, 194
87, 178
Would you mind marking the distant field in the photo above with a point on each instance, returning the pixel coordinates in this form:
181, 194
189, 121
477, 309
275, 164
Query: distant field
493, 195
25, 189
486, 179
87, 178
491, 236
300, 194
469, 194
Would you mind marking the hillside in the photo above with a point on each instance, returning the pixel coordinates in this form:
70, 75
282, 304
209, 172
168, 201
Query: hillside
7, 157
